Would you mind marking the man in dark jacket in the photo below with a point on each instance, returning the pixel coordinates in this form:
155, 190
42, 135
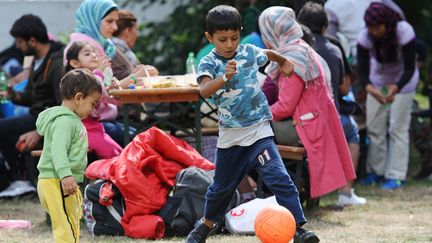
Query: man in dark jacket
42, 91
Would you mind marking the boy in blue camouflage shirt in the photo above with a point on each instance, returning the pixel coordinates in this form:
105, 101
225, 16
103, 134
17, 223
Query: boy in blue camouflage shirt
229, 75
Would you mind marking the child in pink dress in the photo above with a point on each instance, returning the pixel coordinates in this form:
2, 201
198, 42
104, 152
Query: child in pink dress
83, 55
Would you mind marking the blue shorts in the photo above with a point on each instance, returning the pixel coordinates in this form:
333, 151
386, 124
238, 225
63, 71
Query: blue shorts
350, 129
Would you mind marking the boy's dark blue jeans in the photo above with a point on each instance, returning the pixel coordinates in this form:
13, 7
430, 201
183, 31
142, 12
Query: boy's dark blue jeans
233, 164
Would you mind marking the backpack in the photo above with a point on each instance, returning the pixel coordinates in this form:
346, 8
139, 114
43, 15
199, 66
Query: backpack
103, 208
186, 205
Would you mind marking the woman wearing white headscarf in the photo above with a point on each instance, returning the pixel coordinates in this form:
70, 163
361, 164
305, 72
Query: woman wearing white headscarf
306, 97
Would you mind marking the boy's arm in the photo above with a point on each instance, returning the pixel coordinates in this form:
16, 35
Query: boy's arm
62, 131
286, 66
209, 86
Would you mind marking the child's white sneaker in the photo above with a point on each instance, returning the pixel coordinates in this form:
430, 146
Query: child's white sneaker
352, 199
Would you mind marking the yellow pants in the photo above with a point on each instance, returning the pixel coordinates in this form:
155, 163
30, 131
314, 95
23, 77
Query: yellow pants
65, 211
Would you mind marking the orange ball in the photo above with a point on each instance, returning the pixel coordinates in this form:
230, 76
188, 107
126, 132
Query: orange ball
275, 224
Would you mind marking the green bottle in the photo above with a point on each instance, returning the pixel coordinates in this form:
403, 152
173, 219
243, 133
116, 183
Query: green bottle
3, 87
384, 92
191, 64
6, 105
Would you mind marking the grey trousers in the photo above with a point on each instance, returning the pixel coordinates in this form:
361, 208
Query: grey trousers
388, 132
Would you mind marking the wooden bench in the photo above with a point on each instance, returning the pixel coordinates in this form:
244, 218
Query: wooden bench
290, 152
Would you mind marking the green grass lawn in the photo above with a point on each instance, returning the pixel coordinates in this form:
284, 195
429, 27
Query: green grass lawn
422, 100
403, 215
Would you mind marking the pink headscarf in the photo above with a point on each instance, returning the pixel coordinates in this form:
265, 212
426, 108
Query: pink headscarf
385, 47
283, 34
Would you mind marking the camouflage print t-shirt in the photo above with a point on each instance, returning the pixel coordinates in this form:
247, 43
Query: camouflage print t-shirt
241, 103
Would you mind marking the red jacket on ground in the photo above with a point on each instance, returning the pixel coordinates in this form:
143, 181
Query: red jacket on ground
144, 172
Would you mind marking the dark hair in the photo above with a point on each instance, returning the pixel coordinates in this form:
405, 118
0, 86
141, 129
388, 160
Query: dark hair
73, 53
126, 20
308, 36
313, 16
79, 80
240, 5
223, 17
28, 26
109, 11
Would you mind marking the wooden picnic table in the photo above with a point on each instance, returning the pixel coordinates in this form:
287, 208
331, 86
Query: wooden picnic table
189, 96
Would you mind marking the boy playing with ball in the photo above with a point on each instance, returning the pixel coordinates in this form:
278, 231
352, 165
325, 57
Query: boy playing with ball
246, 142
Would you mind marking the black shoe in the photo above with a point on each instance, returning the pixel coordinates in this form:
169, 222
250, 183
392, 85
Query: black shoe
199, 233
305, 236
423, 173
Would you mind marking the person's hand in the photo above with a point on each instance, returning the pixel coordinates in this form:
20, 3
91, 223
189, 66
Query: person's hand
103, 62
115, 84
30, 139
152, 70
376, 93
145, 70
4, 94
392, 91
69, 185
230, 69
287, 68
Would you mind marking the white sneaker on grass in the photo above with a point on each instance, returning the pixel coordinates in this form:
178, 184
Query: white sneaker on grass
352, 199
17, 188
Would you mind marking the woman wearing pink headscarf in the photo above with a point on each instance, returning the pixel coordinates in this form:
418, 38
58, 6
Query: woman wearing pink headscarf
306, 97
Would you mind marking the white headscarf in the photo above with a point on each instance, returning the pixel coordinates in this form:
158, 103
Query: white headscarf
283, 34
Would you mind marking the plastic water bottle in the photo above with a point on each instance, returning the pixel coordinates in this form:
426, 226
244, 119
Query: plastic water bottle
108, 76
3, 86
6, 106
384, 92
191, 64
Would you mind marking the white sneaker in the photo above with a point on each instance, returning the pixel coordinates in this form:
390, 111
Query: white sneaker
18, 188
353, 199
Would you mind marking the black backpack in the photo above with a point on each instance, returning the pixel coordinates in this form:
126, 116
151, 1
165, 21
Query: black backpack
100, 219
186, 205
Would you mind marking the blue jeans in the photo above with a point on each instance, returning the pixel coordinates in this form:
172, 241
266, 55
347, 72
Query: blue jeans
233, 164
115, 130
350, 129
10, 130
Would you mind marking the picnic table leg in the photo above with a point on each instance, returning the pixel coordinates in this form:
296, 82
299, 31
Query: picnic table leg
198, 126
126, 123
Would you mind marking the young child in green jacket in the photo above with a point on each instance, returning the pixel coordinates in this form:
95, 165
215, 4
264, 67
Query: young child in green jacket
64, 156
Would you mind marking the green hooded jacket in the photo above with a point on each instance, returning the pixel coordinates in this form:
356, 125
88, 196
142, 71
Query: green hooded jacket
65, 144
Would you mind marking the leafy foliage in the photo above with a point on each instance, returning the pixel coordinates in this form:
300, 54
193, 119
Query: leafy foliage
419, 14
166, 44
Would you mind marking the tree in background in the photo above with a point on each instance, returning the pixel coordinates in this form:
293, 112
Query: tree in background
166, 44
